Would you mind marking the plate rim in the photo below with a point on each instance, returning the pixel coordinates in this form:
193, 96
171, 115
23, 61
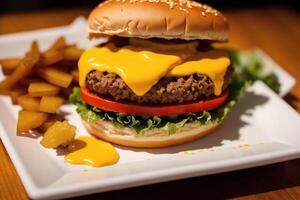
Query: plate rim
161, 176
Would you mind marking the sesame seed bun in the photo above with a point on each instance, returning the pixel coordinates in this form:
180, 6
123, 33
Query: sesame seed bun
167, 19
150, 139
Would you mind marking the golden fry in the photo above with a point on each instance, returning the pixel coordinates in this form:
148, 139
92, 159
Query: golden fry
29, 103
16, 93
21, 74
54, 54
39, 89
54, 118
51, 57
23, 69
72, 53
75, 75
60, 133
29, 120
55, 76
9, 65
59, 44
51, 104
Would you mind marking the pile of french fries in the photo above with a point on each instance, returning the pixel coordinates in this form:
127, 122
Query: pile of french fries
39, 83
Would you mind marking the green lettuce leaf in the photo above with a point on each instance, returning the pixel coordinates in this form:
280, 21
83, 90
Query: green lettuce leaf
250, 66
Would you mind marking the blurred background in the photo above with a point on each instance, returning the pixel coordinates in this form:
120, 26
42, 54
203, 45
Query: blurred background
23, 5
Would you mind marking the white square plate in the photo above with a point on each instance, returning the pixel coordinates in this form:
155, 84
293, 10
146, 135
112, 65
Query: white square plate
261, 129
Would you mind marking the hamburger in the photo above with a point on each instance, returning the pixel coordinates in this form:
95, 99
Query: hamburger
157, 81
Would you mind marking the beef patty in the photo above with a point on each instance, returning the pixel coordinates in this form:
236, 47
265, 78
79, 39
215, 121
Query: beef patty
167, 90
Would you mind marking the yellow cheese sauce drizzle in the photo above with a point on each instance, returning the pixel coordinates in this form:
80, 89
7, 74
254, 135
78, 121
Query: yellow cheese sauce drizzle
141, 69
91, 151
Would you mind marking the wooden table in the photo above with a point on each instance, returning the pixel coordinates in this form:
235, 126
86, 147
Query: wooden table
276, 31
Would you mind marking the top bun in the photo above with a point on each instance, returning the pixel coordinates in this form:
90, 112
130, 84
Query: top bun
168, 19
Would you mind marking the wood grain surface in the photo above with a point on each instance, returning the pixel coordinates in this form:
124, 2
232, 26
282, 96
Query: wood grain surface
274, 29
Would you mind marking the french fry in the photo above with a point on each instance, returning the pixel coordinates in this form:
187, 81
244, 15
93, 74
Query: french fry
23, 69
15, 93
72, 53
54, 54
59, 44
28, 120
43, 81
75, 75
59, 134
9, 65
51, 104
29, 103
55, 76
51, 57
54, 118
40, 89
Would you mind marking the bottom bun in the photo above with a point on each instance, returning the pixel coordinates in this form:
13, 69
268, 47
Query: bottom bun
150, 139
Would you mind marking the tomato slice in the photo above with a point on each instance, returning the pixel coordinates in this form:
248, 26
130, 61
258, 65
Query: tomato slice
152, 110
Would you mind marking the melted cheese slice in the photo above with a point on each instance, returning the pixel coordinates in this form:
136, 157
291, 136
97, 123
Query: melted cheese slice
141, 69
213, 64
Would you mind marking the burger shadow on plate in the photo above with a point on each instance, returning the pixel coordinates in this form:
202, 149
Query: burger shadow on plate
247, 103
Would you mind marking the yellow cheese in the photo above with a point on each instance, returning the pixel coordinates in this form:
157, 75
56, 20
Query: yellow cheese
91, 151
214, 68
139, 69
142, 68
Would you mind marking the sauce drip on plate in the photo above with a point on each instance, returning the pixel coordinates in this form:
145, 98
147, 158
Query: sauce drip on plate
91, 151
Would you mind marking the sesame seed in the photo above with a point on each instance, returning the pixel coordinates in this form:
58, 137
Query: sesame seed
184, 10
